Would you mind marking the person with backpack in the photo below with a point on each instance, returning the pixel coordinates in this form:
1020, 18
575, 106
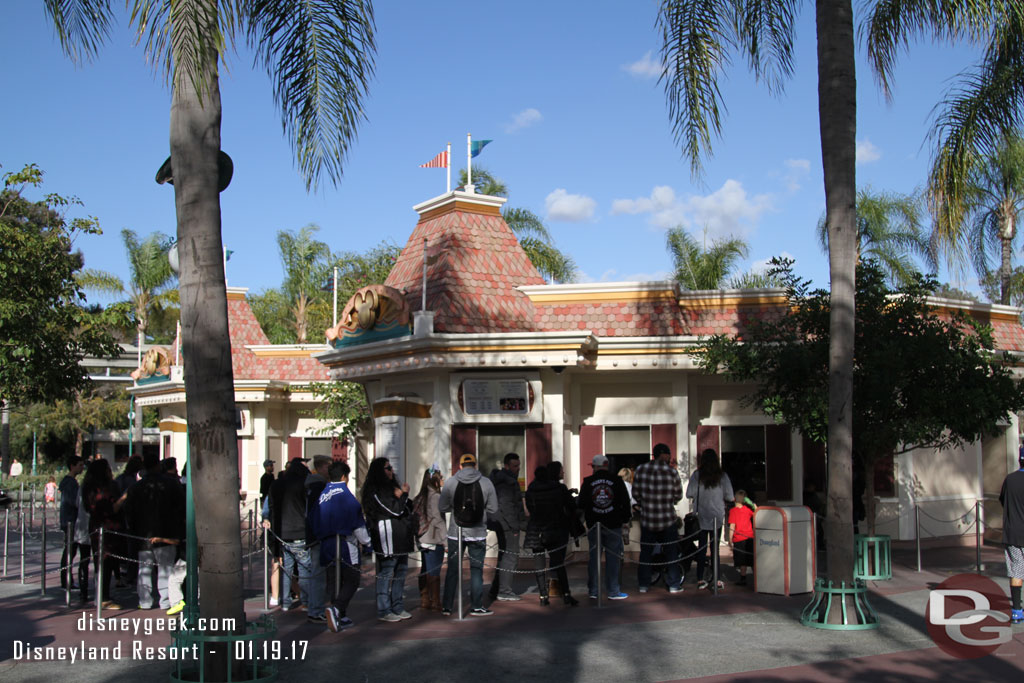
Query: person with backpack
471, 499
510, 519
389, 520
432, 534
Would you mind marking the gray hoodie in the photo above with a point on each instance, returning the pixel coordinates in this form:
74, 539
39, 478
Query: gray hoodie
468, 475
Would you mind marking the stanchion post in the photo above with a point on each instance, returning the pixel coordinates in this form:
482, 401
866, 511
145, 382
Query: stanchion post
21, 506
23, 546
714, 558
42, 564
337, 564
977, 534
99, 577
600, 583
7, 528
459, 566
31, 505
68, 540
266, 570
917, 532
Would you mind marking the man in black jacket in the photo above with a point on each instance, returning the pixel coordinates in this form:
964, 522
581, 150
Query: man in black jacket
288, 505
506, 525
69, 515
155, 512
605, 499
1011, 497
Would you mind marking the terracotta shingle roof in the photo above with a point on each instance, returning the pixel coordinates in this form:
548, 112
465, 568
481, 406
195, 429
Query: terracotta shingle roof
289, 364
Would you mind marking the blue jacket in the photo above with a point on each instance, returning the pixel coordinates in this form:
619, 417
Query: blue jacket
337, 513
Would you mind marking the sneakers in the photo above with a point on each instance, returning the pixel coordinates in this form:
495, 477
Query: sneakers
319, 619
593, 596
480, 612
345, 623
176, 609
642, 589
702, 584
508, 597
389, 617
1017, 616
110, 604
273, 602
295, 604
403, 615
446, 611
675, 589
620, 596
331, 612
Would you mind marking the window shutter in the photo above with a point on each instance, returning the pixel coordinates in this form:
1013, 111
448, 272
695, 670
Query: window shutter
538, 449
778, 463
463, 441
666, 434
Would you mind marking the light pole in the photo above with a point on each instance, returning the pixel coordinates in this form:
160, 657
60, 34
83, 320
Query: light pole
131, 423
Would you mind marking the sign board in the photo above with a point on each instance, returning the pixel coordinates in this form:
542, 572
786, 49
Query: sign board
496, 396
390, 443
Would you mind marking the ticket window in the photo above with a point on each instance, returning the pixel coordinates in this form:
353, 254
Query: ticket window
743, 459
494, 442
627, 446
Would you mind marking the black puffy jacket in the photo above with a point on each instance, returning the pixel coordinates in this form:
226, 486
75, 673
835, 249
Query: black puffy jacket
389, 521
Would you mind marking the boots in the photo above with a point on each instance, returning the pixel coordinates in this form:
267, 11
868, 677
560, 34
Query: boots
434, 592
424, 593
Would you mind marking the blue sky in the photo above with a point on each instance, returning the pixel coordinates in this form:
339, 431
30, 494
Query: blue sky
567, 90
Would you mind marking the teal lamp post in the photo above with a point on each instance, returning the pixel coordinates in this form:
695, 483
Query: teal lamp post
131, 422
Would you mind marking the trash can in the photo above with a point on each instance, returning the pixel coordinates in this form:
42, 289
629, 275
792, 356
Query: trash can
784, 552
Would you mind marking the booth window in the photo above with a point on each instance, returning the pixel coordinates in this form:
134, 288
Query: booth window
493, 442
627, 446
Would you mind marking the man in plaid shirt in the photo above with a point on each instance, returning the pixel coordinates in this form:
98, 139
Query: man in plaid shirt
657, 489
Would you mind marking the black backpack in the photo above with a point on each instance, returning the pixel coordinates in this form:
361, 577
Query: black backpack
468, 504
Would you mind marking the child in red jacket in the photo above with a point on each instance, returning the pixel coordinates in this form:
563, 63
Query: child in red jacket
741, 534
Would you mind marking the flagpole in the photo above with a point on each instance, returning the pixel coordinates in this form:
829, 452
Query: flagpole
448, 166
469, 162
423, 306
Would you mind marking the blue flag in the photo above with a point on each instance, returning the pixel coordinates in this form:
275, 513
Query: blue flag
476, 146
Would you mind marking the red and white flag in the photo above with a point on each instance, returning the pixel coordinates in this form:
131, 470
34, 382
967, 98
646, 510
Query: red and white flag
440, 161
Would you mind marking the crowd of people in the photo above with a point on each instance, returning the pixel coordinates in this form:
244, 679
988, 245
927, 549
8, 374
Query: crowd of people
319, 529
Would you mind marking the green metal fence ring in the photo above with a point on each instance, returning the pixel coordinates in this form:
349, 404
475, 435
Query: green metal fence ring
873, 558
256, 670
817, 615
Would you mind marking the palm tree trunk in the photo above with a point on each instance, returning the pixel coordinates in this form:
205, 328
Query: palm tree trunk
1005, 270
209, 381
837, 111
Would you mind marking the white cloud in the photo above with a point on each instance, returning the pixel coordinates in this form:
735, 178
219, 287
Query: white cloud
727, 211
646, 67
867, 152
613, 275
572, 208
524, 119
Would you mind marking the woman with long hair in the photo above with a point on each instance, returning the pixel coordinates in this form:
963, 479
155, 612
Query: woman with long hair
710, 488
99, 493
433, 539
388, 515
552, 509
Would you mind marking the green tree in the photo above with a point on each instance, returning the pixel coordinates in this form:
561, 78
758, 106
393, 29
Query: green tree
696, 42
534, 237
304, 259
319, 55
913, 375
44, 330
889, 231
993, 201
698, 266
273, 311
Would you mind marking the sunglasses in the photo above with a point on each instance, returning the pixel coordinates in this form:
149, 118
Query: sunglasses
387, 467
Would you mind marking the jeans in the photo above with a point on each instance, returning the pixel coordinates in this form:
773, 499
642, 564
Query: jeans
508, 560
391, 584
669, 540
705, 543
163, 558
311, 579
611, 543
432, 560
476, 550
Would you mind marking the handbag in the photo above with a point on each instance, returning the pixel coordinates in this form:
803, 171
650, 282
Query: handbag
533, 540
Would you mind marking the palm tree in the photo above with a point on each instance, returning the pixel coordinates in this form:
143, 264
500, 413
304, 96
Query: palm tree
993, 198
696, 41
151, 289
889, 232
319, 54
305, 266
533, 235
698, 266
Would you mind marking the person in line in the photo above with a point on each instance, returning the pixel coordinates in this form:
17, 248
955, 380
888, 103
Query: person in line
740, 534
657, 489
154, 507
432, 537
267, 480
338, 524
471, 499
552, 510
1011, 497
710, 488
99, 493
604, 499
511, 518
288, 504
389, 521
68, 516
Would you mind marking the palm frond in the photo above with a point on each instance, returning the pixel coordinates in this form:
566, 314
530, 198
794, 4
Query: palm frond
320, 57
525, 223
765, 29
553, 264
100, 281
699, 266
82, 26
696, 37
485, 182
